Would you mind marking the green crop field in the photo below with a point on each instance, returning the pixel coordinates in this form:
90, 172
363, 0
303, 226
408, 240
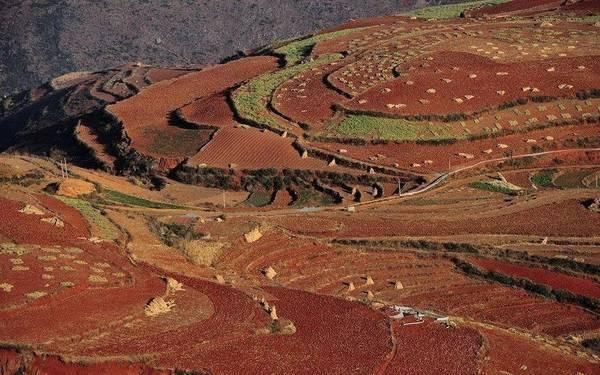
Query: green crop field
258, 199
543, 178
121, 198
93, 216
296, 51
391, 129
250, 101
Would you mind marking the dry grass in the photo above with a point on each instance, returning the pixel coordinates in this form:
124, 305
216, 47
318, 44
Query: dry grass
158, 306
202, 252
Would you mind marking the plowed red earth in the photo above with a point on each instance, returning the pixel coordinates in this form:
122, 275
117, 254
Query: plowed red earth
575, 221
155, 75
253, 149
332, 334
144, 116
513, 354
483, 88
13, 362
307, 99
430, 348
556, 280
212, 110
85, 306
428, 283
406, 154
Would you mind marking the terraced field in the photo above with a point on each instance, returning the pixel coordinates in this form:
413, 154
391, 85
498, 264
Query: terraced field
406, 194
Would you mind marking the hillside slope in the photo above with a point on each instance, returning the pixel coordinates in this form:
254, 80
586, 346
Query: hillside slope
43, 39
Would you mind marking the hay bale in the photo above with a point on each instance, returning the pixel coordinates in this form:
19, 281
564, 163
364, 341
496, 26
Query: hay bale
398, 285
369, 281
158, 306
6, 287
273, 313
220, 279
594, 205
202, 252
351, 287
370, 295
74, 188
31, 210
270, 273
253, 236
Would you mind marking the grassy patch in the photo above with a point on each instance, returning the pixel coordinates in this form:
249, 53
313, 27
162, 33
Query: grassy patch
496, 186
309, 198
129, 200
258, 199
93, 216
543, 178
296, 51
391, 129
250, 101
451, 10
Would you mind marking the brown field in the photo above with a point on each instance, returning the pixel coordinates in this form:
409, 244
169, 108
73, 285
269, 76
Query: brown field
251, 151
144, 116
292, 271
457, 67
556, 280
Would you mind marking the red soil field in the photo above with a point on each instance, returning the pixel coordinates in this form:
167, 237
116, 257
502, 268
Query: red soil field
332, 334
306, 98
253, 149
509, 352
520, 178
155, 75
28, 229
483, 88
428, 283
144, 116
575, 220
12, 362
556, 280
282, 199
431, 348
405, 154
212, 110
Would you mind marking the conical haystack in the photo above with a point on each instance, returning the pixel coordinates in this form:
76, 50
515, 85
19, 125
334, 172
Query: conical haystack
220, 279
369, 281
31, 210
158, 306
253, 236
350, 287
173, 285
370, 295
398, 285
273, 313
54, 221
270, 273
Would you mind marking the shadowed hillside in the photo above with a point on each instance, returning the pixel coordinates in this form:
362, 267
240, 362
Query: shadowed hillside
43, 39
